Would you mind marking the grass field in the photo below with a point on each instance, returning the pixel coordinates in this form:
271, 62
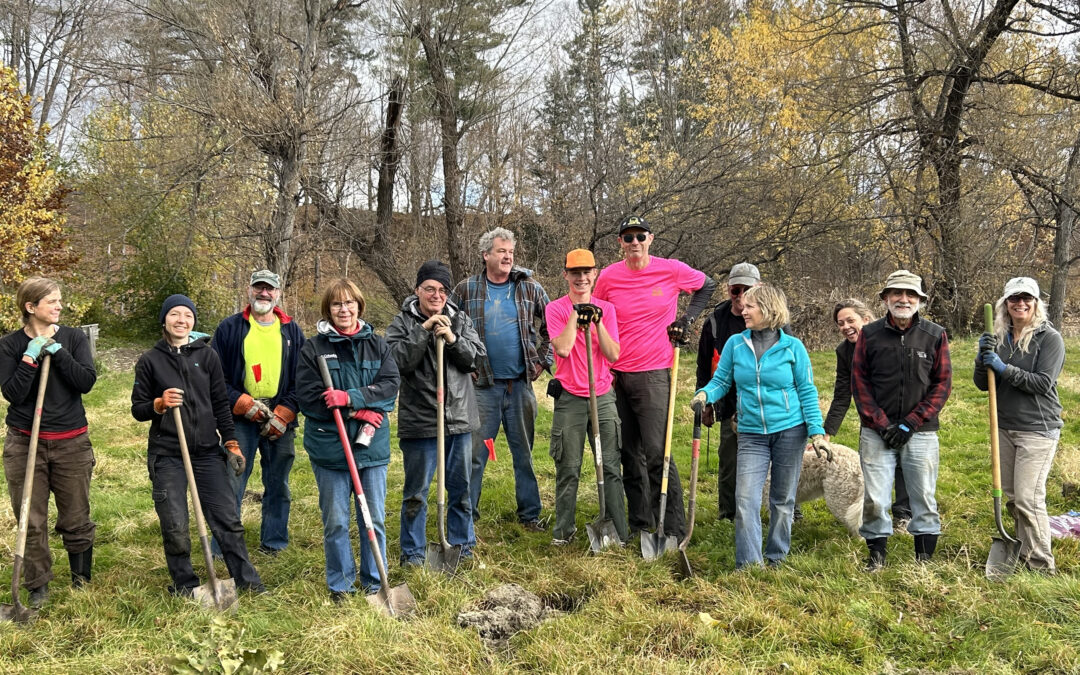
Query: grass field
817, 613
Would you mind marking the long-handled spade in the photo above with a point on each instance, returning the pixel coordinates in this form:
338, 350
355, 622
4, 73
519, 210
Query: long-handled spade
685, 571
18, 611
1005, 551
395, 601
602, 532
655, 544
217, 594
441, 556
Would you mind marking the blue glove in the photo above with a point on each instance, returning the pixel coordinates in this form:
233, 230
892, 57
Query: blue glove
33, 350
53, 348
988, 342
196, 335
993, 361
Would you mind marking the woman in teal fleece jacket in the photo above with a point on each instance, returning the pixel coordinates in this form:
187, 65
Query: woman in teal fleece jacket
777, 409
365, 383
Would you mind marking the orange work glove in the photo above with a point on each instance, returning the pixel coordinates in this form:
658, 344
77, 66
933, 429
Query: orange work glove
250, 409
278, 423
170, 398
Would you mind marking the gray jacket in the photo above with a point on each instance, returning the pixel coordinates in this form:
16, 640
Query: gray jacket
1027, 392
413, 348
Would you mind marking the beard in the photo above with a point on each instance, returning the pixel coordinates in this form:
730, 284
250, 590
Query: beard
903, 312
262, 306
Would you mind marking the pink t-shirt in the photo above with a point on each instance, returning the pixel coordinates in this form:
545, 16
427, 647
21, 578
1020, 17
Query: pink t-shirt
647, 301
573, 371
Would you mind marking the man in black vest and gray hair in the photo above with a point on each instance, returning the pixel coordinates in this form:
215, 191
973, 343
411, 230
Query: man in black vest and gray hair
901, 377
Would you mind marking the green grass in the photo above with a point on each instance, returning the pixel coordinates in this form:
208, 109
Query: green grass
817, 613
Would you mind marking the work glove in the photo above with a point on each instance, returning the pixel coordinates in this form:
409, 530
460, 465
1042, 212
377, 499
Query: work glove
897, 435
278, 423
251, 409
33, 350
170, 398
336, 398
988, 342
820, 445
697, 404
676, 332
52, 348
372, 417
234, 457
588, 313
992, 361
708, 415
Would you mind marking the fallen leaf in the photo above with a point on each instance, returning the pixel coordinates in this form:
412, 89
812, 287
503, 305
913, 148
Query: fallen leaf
707, 619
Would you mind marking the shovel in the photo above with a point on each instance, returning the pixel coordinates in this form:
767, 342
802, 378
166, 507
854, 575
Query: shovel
441, 556
602, 532
220, 595
1004, 551
19, 612
655, 544
396, 601
685, 571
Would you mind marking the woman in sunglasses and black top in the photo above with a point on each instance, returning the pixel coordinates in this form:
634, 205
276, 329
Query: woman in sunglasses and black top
1026, 355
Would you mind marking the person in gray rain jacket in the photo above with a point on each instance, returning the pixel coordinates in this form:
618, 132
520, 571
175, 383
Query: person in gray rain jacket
424, 317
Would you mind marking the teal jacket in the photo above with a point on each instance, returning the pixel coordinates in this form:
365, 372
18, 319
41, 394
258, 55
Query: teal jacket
775, 393
364, 369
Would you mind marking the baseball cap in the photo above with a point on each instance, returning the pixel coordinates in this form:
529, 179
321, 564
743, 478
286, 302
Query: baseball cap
744, 274
265, 277
1019, 285
630, 222
580, 258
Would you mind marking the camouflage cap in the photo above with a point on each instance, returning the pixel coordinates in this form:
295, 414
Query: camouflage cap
266, 277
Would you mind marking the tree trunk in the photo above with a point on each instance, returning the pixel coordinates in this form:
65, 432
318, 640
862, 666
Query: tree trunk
1066, 220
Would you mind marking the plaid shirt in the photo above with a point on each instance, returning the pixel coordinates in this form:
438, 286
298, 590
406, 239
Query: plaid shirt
530, 300
889, 370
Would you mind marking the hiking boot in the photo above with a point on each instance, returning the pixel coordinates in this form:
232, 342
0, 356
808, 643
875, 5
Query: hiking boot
876, 560
183, 591
266, 550
796, 516
563, 542
341, 597
899, 525
772, 564
534, 526
81, 564
38, 596
924, 547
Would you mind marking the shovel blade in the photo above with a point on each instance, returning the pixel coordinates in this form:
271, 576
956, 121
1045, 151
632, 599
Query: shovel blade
225, 601
655, 544
18, 613
685, 570
441, 559
602, 535
1003, 559
397, 602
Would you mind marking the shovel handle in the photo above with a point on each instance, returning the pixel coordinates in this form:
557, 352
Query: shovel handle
196, 505
594, 419
991, 378
696, 453
28, 482
440, 437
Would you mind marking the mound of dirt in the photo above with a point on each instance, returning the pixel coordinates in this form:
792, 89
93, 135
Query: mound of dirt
503, 611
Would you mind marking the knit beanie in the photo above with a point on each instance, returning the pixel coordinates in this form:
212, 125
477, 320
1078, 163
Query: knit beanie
176, 300
433, 269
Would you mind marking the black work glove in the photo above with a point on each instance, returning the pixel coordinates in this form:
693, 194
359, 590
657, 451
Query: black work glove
988, 343
588, 313
897, 435
676, 332
708, 415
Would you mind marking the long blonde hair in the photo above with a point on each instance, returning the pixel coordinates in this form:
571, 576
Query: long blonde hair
1003, 323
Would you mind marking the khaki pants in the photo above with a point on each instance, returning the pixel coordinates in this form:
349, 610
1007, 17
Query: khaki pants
63, 467
1025, 463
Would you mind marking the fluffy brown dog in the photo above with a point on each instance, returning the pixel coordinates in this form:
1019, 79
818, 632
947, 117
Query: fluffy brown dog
839, 481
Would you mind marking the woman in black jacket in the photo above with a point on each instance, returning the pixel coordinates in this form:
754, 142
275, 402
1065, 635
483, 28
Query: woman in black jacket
65, 458
186, 373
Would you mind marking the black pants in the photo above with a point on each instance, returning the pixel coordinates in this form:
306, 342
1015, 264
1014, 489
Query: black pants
901, 506
727, 454
642, 400
219, 507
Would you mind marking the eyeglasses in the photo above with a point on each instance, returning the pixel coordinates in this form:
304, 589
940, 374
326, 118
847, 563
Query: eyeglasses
433, 290
1020, 297
640, 236
342, 304
736, 291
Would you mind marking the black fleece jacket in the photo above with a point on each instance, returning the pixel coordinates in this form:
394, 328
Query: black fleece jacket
71, 374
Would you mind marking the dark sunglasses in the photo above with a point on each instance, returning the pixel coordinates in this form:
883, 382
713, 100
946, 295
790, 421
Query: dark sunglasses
736, 291
1020, 296
640, 236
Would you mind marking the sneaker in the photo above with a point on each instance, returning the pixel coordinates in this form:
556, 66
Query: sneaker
560, 542
797, 516
266, 550
183, 591
875, 562
38, 596
535, 526
341, 597
772, 564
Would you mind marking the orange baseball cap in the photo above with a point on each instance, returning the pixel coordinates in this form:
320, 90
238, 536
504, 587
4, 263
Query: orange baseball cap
580, 258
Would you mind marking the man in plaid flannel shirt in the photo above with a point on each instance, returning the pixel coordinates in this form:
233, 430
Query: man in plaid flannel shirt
506, 306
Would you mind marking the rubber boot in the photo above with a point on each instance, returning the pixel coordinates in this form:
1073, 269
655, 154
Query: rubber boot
38, 596
877, 553
924, 547
81, 564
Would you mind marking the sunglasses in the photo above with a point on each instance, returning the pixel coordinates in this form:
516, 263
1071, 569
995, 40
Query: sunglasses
736, 291
640, 236
1020, 297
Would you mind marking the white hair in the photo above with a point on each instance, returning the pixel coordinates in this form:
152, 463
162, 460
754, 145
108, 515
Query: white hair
487, 239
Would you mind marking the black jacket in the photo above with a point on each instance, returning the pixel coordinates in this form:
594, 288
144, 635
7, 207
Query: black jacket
841, 396
196, 369
720, 326
71, 374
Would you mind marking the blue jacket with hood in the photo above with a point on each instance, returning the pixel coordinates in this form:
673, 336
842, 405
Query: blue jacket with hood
776, 392
364, 369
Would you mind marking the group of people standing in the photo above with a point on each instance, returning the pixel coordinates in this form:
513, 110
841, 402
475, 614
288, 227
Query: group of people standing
240, 394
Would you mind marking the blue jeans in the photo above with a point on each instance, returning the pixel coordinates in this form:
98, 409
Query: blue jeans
919, 459
335, 496
419, 459
513, 404
784, 451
